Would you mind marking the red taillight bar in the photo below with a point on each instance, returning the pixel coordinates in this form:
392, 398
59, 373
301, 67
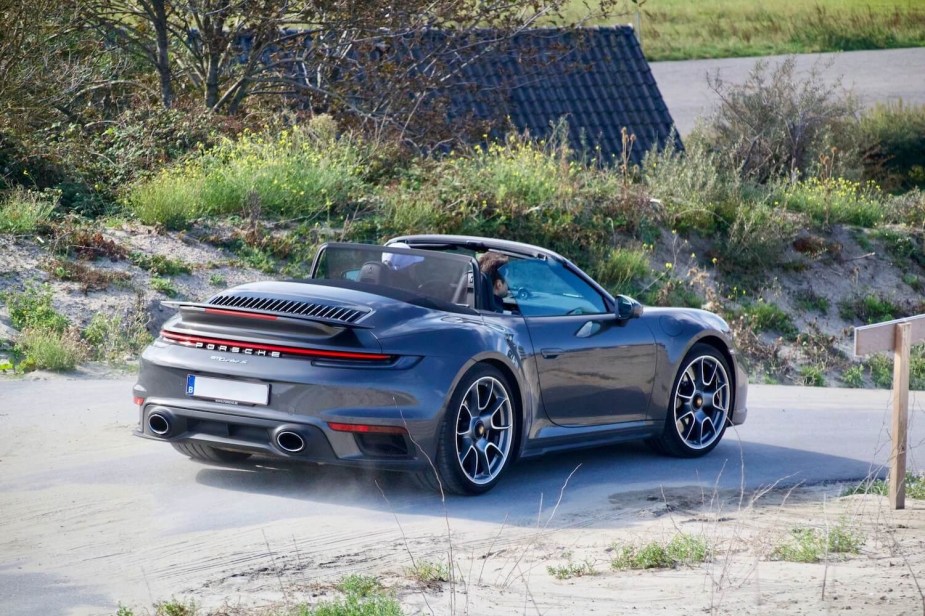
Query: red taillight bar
138, 400
365, 428
186, 339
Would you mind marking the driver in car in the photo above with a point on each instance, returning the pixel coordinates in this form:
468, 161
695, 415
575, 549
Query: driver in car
490, 265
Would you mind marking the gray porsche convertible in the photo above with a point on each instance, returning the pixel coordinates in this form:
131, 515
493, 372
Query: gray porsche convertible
408, 357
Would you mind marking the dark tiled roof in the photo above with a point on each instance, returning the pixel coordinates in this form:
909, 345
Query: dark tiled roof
595, 78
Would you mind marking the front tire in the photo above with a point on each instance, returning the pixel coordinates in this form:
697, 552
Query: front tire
207, 453
699, 406
477, 436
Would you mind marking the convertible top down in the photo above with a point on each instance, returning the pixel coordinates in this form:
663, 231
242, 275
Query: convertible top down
399, 357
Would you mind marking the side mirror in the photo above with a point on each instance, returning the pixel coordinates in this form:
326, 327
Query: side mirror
627, 308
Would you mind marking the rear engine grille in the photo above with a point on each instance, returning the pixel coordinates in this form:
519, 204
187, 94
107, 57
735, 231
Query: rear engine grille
284, 306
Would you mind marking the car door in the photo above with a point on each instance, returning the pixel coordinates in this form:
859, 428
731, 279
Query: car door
593, 368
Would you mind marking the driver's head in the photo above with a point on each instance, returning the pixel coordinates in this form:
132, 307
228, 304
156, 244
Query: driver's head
490, 264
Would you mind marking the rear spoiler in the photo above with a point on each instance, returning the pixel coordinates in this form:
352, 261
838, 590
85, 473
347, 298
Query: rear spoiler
300, 312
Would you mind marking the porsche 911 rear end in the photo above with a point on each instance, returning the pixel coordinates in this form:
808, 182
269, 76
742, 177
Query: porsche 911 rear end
297, 370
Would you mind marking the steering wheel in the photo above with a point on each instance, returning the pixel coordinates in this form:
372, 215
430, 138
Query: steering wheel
522, 293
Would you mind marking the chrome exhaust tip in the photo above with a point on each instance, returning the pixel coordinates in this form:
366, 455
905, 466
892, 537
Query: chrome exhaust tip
291, 442
158, 424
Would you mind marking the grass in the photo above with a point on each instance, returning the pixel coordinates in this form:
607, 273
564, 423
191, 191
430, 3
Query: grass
113, 339
808, 300
880, 367
164, 285
915, 487
623, 270
678, 30
682, 549
572, 569
44, 349
24, 211
429, 572
868, 308
812, 375
829, 201
811, 545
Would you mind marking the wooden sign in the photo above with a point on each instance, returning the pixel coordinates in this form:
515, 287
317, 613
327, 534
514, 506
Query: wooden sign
896, 336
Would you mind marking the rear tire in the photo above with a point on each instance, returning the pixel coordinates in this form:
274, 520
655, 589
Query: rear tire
207, 453
477, 436
699, 407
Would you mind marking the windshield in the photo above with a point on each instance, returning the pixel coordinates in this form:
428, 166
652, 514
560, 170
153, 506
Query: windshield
442, 277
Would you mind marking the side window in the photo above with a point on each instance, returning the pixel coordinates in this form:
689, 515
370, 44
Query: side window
546, 288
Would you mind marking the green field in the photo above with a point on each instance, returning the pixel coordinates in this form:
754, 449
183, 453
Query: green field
684, 29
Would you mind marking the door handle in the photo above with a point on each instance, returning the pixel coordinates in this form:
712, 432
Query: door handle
551, 353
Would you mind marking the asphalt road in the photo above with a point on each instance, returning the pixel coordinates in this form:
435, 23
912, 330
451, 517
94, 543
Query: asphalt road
873, 76
92, 516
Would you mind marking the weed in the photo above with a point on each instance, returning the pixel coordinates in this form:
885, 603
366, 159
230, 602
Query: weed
359, 585
764, 316
159, 264
868, 308
758, 238
164, 285
807, 300
113, 339
572, 569
26, 211
90, 278
810, 545
853, 376
812, 376
77, 240
429, 572
682, 549
175, 608
905, 247
893, 137
32, 309
881, 371
829, 201
45, 349
217, 281
168, 199
914, 484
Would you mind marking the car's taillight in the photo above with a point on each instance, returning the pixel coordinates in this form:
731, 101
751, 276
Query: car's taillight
138, 400
366, 428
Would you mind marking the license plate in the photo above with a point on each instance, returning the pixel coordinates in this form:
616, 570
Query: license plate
225, 390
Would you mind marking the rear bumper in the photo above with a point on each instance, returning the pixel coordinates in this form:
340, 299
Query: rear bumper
315, 441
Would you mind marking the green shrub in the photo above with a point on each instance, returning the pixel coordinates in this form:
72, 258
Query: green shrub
914, 484
868, 308
853, 376
807, 300
764, 316
694, 192
164, 285
26, 211
45, 349
758, 238
111, 338
571, 570
32, 309
812, 375
892, 136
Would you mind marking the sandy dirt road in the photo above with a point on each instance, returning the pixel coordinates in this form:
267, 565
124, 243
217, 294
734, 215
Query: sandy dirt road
91, 517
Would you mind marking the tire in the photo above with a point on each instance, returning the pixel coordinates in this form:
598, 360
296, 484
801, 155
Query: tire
207, 453
478, 434
699, 406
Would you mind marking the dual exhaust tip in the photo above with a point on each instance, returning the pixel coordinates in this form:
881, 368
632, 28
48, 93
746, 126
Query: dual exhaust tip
288, 440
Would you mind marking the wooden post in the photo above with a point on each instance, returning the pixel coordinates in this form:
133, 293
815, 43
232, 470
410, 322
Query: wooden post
896, 336
900, 415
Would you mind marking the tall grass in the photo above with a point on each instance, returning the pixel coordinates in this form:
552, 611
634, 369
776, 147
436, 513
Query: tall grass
680, 29
26, 211
300, 172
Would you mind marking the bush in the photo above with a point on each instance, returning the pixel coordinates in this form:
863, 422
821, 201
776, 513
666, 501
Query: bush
32, 309
26, 211
683, 549
622, 270
46, 349
778, 125
892, 138
113, 339
758, 238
